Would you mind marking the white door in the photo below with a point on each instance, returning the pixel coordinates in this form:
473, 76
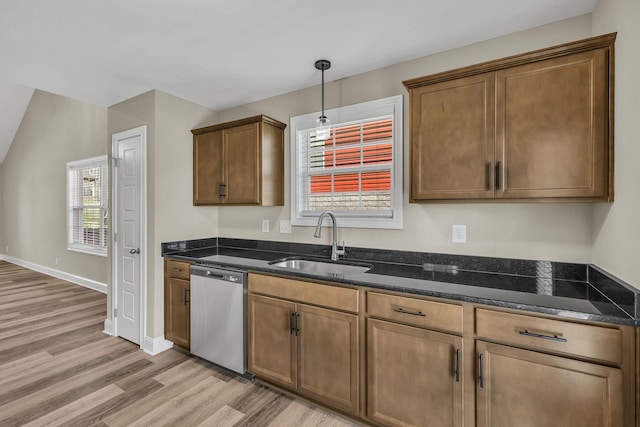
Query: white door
128, 248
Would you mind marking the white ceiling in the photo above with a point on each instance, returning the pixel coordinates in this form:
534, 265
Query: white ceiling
223, 53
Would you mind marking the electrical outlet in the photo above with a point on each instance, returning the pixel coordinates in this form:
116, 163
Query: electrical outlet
55, 260
459, 233
265, 225
285, 226
7, 249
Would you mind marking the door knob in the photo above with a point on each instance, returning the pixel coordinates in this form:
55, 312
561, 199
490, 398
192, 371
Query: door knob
134, 251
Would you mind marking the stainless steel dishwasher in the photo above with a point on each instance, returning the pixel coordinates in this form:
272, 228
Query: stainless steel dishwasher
218, 325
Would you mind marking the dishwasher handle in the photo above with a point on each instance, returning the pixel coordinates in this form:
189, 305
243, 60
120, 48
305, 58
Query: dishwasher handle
211, 275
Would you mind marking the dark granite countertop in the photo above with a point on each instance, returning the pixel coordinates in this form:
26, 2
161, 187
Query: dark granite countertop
577, 291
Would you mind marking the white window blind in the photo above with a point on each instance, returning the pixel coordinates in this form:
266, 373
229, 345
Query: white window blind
87, 198
356, 173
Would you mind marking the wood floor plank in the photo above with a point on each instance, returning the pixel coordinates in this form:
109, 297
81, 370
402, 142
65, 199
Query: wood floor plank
57, 367
223, 417
176, 410
48, 399
77, 407
152, 401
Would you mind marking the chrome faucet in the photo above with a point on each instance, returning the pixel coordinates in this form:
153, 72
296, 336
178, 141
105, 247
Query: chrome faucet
335, 252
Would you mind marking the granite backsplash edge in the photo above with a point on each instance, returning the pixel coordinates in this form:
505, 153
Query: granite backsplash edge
603, 284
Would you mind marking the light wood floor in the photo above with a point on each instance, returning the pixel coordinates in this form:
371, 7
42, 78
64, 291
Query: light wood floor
57, 367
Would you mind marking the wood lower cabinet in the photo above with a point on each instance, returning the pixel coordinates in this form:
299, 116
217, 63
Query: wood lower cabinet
328, 356
272, 344
177, 308
532, 389
239, 163
308, 349
432, 362
532, 127
414, 376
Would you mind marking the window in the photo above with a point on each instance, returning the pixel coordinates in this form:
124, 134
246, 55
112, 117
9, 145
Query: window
356, 173
87, 208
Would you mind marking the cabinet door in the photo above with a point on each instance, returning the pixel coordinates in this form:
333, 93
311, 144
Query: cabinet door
272, 350
178, 313
207, 168
328, 357
552, 127
452, 139
526, 388
242, 164
414, 376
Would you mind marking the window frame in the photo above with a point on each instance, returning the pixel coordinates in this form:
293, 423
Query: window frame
391, 106
101, 161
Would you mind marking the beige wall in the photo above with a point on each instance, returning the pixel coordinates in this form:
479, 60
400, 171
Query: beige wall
2, 245
54, 131
175, 216
560, 232
616, 228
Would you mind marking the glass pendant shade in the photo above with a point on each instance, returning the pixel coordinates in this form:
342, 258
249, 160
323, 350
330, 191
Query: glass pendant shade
323, 128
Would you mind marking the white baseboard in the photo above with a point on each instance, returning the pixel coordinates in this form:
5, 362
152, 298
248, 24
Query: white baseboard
82, 281
156, 345
108, 327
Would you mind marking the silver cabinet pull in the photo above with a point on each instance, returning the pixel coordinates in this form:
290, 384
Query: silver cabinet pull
409, 312
552, 337
499, 183
178, 270
490, 175
134, 251
457, 365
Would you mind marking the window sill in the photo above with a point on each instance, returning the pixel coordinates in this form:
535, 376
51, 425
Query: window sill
88, 251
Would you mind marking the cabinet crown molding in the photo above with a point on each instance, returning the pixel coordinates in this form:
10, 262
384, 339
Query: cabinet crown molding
254, 119
603, 41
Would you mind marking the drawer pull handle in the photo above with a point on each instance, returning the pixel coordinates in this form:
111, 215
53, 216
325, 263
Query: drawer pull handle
412, 313
546, 337
178, 270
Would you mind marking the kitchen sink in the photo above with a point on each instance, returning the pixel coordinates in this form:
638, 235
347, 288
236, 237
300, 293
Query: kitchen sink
317, 266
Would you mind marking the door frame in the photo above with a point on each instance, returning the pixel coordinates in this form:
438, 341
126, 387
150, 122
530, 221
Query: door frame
115, 138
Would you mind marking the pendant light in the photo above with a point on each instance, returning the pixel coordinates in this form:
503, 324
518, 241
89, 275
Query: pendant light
323, 126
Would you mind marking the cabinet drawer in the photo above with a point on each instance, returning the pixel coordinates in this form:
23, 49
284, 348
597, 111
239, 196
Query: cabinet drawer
593, 342
178, 269
307, 292
428, 314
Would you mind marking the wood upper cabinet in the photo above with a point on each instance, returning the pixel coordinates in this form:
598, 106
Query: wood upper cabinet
527, 388
309, 349
452, 139
239, 163
552, 128
536, 126
177, 307
414, 376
